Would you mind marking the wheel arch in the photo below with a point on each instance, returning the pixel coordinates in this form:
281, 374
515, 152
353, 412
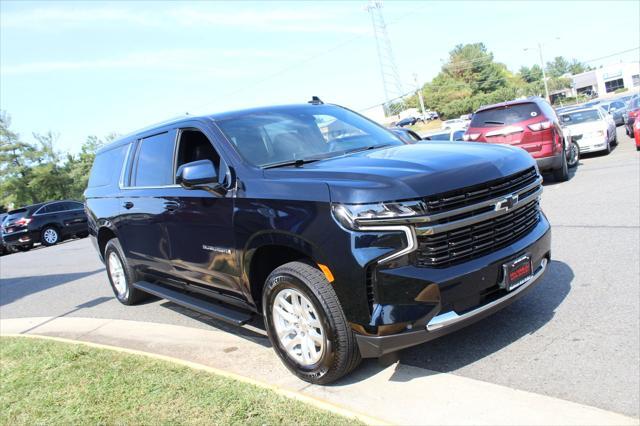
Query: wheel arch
268, 250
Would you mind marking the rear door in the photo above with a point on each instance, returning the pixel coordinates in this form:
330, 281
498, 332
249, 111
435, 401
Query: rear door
144, 205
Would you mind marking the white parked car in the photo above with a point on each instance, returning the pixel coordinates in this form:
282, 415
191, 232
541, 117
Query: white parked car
446, 135
455, 123
591, 129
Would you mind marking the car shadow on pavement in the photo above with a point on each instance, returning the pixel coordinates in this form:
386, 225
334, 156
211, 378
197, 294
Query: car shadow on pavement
477, 341
12, 289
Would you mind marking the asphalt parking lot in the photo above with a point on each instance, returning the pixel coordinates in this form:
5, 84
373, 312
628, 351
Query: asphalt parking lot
576, 336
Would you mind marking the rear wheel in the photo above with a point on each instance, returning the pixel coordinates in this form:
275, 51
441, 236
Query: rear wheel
50, 236
562, 174
121, 275
306, 324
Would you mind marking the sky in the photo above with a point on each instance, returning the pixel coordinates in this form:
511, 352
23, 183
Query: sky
92, 68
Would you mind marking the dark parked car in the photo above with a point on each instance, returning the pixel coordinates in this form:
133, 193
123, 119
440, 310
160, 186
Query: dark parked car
531, 124
409, 121
631, 115
3, 248
47, 223
617, 109
406, 135
349, 242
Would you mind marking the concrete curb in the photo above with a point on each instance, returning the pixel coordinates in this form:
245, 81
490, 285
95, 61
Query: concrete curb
391, 394
316, 402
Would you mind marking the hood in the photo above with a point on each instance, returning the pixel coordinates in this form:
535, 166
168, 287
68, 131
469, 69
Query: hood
581, 128
408, 171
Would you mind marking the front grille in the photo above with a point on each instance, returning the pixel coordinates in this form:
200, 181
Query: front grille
482, 192
468, 242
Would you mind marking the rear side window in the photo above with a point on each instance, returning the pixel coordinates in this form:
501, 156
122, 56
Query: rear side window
107, 166
506, 115
154, 165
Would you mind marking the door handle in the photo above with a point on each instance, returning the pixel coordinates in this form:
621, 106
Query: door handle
128, 205
171, 205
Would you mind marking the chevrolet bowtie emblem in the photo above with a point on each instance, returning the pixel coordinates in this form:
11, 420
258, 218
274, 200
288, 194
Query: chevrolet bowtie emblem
507, 203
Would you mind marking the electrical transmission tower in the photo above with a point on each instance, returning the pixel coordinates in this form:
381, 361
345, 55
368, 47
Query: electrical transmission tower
390, 77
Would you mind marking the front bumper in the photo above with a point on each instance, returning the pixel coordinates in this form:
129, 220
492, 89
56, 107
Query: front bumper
592, 144
456, 302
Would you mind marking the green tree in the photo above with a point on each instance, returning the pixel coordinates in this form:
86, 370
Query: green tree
530, 75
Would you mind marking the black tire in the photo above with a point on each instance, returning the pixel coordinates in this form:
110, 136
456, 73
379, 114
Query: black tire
607, 151
50, 236
83, 234
562, 174
24, 248
131, 295
615, 139
341, 354
574, 155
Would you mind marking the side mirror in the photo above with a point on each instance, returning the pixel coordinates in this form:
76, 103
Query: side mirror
199, 175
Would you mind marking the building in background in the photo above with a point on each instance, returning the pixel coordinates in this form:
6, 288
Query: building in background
607, 79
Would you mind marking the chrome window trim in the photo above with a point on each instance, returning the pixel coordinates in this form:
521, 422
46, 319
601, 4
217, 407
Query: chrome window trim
59, 211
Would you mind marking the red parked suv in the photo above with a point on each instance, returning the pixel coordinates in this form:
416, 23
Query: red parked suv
531, 124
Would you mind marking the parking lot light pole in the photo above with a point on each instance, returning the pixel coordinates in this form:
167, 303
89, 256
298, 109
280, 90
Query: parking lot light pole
544, 74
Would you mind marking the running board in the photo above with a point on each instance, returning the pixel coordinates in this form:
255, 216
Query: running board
211, 309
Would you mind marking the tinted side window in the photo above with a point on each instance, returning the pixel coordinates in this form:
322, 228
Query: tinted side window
154, 165
107, 166
52, 208
505, 115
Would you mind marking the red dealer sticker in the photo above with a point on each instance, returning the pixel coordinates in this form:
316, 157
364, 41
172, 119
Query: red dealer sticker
517, 272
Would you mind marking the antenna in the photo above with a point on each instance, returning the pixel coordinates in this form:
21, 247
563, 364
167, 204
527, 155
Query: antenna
390, 76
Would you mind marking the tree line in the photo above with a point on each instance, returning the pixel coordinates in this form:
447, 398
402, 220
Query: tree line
33, 172
472, 78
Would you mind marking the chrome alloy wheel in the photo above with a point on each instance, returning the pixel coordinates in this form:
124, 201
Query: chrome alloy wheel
116, 271
298, 327
50, 236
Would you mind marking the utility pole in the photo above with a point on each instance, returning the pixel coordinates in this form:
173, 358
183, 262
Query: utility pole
419, 91
544, 74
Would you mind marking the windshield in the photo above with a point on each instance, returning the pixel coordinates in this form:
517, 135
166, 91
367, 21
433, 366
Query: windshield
302, 133
578, 117
505, 115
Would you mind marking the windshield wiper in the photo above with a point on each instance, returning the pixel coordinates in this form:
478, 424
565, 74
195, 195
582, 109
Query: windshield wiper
297, 163
493, 122
365, 148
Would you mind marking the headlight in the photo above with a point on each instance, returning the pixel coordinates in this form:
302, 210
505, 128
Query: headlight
354, 216
597, 134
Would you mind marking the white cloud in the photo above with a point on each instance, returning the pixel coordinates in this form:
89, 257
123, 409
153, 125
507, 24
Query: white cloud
183, 60
258, 19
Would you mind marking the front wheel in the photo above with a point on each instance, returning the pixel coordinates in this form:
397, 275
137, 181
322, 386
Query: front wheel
306, 324
574, 155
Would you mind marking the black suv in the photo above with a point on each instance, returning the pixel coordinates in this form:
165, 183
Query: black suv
47, 223
347, 241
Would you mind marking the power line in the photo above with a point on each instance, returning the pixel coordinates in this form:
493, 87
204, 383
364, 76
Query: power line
307, 60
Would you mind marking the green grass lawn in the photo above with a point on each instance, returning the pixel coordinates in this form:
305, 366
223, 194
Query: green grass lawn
47, 382
428, 126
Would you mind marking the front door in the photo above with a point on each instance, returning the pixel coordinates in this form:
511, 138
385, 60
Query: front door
200, 224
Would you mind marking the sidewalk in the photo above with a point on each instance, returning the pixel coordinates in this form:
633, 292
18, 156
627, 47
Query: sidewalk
396, 394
